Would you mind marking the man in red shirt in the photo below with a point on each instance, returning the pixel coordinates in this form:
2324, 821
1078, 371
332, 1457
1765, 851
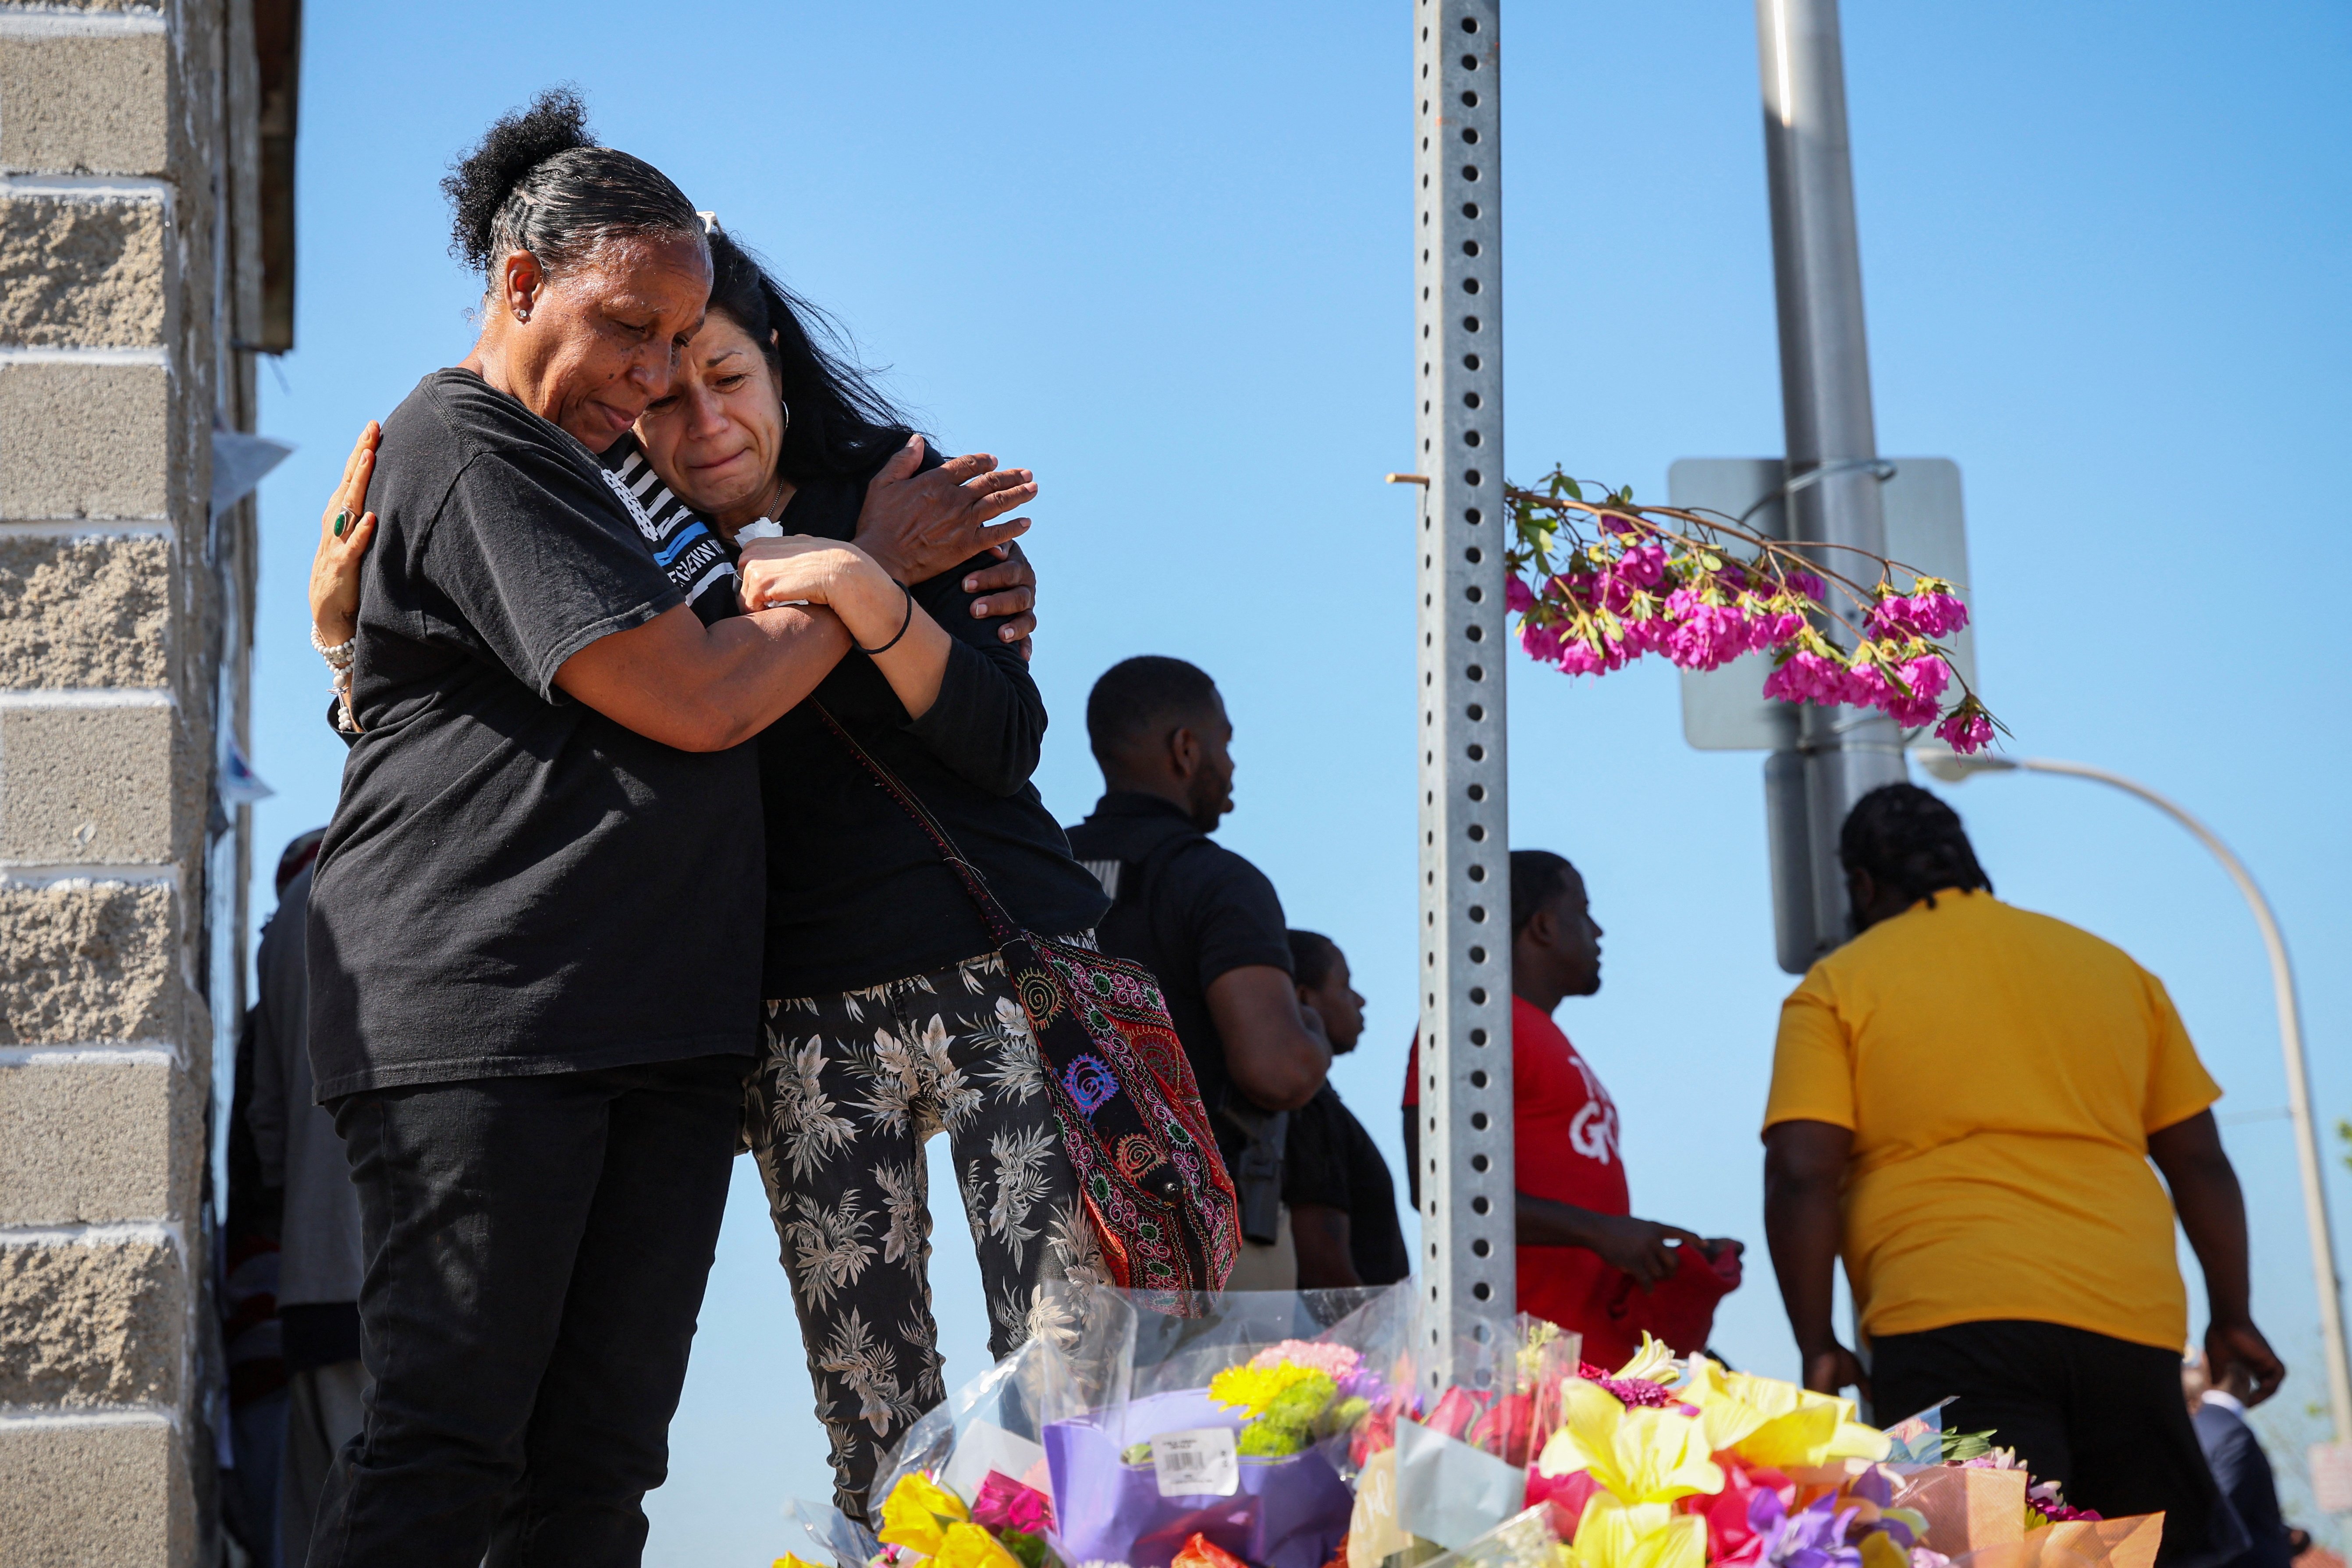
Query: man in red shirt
1581, 1253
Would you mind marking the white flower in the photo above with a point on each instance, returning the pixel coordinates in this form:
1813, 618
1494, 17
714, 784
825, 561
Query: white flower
800, 1116
905, 1200
1014, 1068
825, 1245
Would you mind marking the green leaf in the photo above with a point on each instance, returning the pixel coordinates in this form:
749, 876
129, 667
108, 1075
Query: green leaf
1575, 491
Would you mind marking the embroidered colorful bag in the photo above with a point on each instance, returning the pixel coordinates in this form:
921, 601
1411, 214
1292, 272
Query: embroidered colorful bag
1137, 1134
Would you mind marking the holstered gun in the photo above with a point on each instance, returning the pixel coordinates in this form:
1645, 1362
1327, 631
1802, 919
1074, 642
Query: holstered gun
1258, 1175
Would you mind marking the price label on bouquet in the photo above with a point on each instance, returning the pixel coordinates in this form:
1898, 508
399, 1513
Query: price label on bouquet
1192, 1464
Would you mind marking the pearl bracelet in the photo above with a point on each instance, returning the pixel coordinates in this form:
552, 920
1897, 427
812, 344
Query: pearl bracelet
337, 655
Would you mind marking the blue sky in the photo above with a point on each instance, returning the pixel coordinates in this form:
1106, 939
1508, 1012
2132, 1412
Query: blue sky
1161, 254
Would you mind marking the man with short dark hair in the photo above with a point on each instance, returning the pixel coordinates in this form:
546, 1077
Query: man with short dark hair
1343, 1213
1965, 1101
1584, 1261
1208, 924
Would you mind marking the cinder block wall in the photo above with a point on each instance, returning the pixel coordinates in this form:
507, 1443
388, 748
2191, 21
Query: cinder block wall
126, 270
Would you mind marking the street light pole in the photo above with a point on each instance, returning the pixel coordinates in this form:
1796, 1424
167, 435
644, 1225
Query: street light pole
1841, 753
1952, 768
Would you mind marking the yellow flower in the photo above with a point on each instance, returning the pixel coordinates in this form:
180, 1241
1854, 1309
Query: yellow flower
1879, 1551
970, 1546
1779, 1425
918, 1512
789, 1561
1614, 1534
1654, 1362
1255, 1388
1640, 1455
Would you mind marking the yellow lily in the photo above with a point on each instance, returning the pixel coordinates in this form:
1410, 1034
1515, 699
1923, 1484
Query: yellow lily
1639, 1456
1614, 1534
1774, 1424
970, 1546
918, 1514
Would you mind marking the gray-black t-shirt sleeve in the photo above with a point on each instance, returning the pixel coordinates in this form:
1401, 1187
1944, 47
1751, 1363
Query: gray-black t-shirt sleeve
537, 564
1234, 914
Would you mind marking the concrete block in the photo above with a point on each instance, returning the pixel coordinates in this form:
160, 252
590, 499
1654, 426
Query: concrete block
85, 440
81, 1494
86, 786
86, 105
87, 612
91, 1322
81, 272
85, 1140
87, 960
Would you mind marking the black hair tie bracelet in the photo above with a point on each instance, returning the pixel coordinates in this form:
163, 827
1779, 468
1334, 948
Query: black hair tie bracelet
886, 647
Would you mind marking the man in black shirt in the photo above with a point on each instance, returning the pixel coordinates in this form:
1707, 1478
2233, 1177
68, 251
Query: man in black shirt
1207, 922
1343, 1212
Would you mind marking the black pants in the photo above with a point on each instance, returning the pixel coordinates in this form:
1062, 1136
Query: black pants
537, 1249
2102, 1417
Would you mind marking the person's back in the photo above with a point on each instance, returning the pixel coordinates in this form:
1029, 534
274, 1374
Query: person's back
2001, 1070
1208, 925
1965, 1102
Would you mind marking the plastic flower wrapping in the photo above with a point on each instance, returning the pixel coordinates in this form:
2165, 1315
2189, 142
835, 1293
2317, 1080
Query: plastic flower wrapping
1598, 584
1315, 1431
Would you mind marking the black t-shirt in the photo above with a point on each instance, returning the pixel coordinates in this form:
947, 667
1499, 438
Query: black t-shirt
513, 883
1332, 1161
857, 893
1189, 910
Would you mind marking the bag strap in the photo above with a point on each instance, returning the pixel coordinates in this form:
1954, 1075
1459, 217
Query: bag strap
1002, 927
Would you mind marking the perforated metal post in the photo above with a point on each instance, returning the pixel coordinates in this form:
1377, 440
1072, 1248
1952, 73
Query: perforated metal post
1467, 1181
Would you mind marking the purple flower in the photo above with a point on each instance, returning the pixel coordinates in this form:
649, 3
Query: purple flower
1812, 1537
1518, 597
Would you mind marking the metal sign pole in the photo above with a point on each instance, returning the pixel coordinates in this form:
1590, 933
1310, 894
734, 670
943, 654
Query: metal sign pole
1841, 755
1469, 1265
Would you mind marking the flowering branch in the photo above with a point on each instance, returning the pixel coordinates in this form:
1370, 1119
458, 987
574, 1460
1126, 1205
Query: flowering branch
1596, 585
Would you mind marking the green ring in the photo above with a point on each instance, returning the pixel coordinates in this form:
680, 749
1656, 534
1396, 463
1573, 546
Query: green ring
341, 518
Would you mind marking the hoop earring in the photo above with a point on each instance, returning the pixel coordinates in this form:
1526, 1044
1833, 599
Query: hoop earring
788, 419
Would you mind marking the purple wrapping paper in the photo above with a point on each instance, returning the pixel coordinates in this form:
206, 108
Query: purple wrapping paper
1287, 1513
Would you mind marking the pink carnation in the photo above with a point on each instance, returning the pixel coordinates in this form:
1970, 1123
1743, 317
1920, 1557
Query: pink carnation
1340, 1361
1003, 1503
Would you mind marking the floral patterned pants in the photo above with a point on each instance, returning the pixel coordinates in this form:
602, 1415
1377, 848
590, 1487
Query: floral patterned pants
847, 1089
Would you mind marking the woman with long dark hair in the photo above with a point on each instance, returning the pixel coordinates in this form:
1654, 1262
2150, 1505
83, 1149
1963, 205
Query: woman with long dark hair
889, 1014
534, 926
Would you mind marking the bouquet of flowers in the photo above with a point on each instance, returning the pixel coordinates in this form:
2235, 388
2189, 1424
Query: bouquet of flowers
1237, 1433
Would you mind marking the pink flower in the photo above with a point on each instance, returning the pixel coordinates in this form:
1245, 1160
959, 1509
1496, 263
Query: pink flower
1338, 1361
1866, 686
1518, 597
1542, 642
1966, 728
1806, 584
1807, 678
1003, 1503
1927, 677
1577, 658
1643, 565
1930, 615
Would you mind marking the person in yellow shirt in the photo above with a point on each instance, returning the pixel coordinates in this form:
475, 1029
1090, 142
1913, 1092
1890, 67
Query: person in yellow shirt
1965, 1101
